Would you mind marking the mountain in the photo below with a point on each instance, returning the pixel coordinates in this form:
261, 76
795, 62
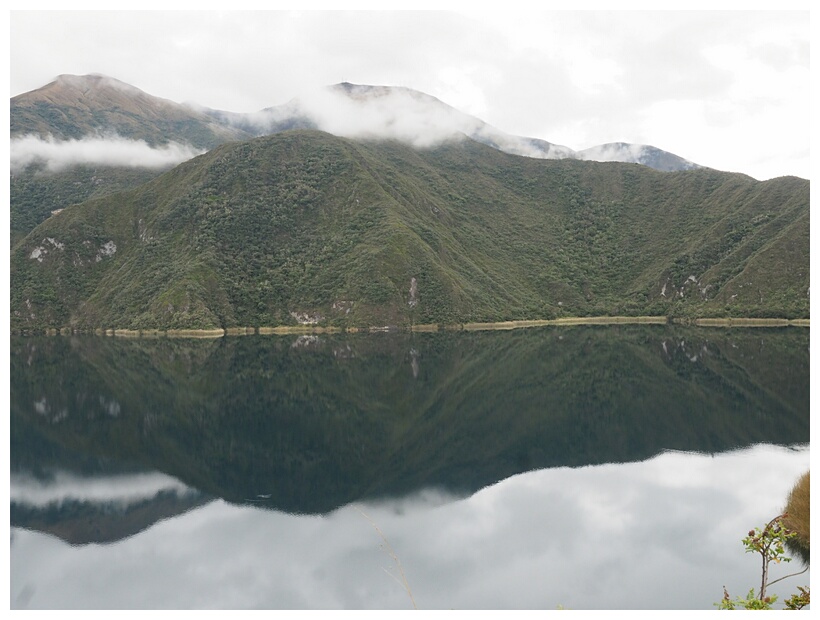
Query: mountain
363, 111
80, 521
74, 107
75, 138
303, 226
359, 110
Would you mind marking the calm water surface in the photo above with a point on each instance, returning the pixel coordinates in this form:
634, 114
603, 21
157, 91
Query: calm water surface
586, 467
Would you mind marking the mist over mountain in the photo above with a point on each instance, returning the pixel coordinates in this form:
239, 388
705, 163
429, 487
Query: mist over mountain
91, 106
95, 127
638, 154
113, 151
383, 112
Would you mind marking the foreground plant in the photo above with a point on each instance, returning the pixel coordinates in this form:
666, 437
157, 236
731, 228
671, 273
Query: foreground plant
386, 546
798, 507
770, 544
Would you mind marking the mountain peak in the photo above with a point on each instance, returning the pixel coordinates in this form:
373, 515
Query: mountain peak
94, 92
372, 91
91, 80
80, 106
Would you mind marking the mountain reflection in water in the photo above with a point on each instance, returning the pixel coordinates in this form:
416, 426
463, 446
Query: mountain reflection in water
308, 424
180, 462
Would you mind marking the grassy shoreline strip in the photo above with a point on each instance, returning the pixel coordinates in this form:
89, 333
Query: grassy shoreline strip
740, 322
282, 330
581, 320
195, 333
240, 331
433, 327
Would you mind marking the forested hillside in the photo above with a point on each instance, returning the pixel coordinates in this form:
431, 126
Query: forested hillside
303, 226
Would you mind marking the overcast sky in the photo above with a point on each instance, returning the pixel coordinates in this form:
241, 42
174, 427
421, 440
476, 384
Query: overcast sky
729, 90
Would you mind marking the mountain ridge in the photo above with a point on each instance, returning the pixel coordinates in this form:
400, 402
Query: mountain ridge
306, 226
121, 103
79, 137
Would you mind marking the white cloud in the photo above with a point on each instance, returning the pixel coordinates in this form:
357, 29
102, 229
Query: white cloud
95, 151
393, 114
614, 152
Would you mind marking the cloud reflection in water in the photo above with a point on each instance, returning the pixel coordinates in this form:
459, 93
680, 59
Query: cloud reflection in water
664, 533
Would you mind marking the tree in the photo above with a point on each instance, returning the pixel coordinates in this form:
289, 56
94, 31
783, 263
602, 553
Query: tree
770, 544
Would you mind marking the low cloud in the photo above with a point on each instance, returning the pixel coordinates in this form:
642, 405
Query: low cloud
615, 151
391, 113
364, 112
57, 155
394, 113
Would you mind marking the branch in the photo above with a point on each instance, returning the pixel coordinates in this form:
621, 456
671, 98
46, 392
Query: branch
393, 555
787, 576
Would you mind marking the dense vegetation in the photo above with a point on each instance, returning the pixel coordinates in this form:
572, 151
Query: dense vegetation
73, 108
36, 193
318, 422
304, 224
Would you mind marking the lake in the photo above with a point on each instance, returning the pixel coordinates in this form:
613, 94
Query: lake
589, 467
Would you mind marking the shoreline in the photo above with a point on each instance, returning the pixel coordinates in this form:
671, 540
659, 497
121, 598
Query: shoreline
283, 330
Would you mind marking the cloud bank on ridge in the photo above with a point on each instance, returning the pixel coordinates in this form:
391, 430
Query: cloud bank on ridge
114, 150
389, 113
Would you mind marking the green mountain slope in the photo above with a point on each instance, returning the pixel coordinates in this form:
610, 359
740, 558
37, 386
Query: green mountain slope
36, 194
94, 106
304, 226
